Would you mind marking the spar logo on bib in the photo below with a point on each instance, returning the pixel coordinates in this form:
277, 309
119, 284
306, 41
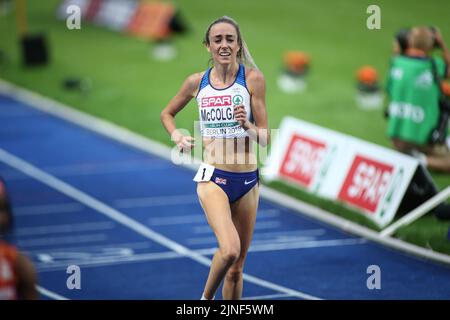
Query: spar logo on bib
238, 100
216, 101
366, 183
302, 160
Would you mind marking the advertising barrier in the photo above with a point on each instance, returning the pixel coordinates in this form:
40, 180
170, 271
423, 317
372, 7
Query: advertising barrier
367, 177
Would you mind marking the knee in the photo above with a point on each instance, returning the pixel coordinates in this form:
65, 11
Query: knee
234, 274
230, 254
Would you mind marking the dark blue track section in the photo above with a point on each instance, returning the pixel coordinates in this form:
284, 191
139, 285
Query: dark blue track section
118, 263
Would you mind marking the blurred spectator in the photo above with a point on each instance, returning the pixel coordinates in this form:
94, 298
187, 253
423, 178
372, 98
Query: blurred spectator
413, 88
17, 274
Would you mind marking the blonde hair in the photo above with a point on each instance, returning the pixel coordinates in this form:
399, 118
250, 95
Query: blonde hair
243, 56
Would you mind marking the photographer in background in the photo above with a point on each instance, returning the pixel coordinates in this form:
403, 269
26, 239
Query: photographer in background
417, 113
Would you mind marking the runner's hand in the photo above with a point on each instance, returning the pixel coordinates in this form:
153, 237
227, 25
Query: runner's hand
184, 143
240, 115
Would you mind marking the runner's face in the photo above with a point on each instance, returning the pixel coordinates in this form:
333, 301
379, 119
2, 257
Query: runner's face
223, 43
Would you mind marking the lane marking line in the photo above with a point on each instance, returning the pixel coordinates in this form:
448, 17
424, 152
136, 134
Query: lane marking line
50, 294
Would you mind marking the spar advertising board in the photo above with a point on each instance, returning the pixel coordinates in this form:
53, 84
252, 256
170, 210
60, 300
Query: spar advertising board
367, 177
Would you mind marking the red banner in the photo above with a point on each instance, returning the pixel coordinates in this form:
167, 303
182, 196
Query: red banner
366, 183
302, 159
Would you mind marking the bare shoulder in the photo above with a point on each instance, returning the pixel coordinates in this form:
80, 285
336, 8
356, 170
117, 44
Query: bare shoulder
255, 79
192, 82
252, 74
195, 78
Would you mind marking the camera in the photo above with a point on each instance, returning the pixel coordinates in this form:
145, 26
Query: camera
402, 38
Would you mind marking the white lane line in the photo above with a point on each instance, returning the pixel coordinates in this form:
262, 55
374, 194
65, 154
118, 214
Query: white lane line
272, 235
67, 172
49, 241
91, 261
91, 248
156, 201
65, 228
50, 294
48, 209
263, 225
293, 246
301, 232
92, 169
88, 260
213, 240
267, 297
305, 244
106, 168
121, 218
290, 239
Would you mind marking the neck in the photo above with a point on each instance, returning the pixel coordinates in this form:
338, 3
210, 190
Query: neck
226, 71
413, 52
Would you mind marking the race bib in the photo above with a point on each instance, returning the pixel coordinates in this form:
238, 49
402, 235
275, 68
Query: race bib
204, 173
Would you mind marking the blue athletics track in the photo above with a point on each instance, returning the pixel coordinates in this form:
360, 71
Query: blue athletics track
132, 223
